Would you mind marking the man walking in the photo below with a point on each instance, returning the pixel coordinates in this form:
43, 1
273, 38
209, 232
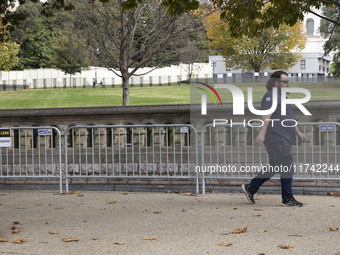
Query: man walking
278, 141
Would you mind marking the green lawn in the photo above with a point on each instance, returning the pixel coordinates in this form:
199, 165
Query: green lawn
80, 97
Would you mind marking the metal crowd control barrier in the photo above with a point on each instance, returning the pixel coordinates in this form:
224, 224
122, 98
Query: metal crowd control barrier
228, 152
30, 152
131, 151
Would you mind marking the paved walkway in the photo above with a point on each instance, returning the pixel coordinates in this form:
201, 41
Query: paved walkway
179, 223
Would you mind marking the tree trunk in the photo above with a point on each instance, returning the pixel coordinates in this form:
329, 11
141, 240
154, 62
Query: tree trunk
125, 90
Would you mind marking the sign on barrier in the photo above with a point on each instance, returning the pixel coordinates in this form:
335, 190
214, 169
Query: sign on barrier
45, 132
327, 128
5, 138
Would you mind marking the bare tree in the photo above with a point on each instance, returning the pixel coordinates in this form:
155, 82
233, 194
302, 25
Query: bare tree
127, 40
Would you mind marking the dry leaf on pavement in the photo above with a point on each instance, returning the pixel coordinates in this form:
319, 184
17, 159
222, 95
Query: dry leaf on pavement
70, 239
112, 202
286, 246
188, 194
120, 243
95, 238
258, 209
333, 228
15, 230
155, 212
3, 240
53, 233
224, 244
240, 230
223, 233
19, 240
150, 238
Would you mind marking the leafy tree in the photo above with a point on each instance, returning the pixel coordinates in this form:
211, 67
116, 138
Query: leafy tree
272, 48
332, 32
252, 16
36, 35
8, 50
8, 55
70, 54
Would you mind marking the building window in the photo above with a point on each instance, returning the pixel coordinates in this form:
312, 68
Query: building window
310, 27
303, 64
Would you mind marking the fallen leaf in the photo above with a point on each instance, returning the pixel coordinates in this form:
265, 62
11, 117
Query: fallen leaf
337, 195
80, 195
258, 209
169, 191
263, 231
330, 193
70, 239
211, 191
155, 212
103, 209
124, 193
261, 253
16, 231
120, 243
332, 206
224, 244
3, 240
16, 223
286, 246
39, 204
112, 202
235, 208
256, 198
183, 210
150, 238
76, 192
95, 238
233, 204
239, 230
68, 193
223, 233
333, 228
19, 240
53, 233
14, 228
237, 235
257, 215
188, 194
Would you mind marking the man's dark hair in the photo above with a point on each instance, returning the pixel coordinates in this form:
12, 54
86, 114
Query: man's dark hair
274, 77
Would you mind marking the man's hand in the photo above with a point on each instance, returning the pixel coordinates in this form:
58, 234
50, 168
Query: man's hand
301, 136
259, 139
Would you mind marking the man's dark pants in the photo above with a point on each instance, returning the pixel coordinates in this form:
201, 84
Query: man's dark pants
279, 155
